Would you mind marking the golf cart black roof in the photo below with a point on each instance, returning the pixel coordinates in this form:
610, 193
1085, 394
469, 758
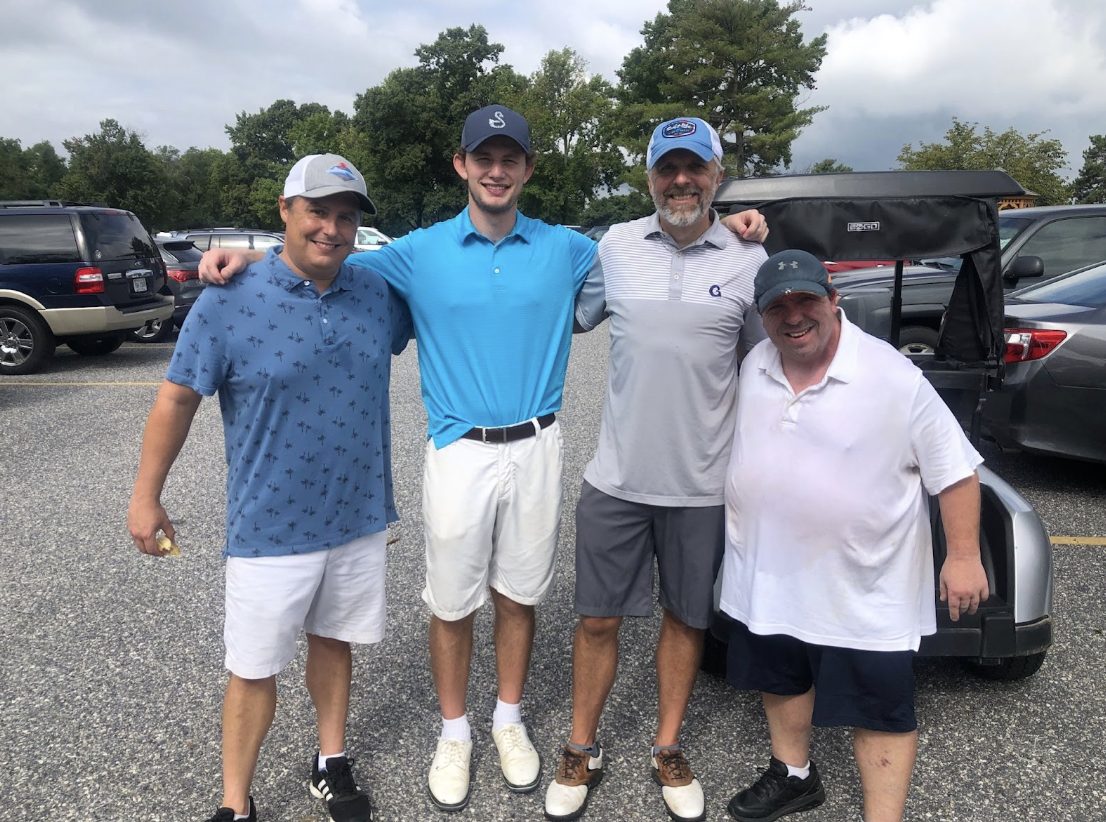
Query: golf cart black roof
869, 184
898, 215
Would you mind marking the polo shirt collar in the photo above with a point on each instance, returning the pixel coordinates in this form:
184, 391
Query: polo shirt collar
842, 368
716, 235
523, 228
289, 280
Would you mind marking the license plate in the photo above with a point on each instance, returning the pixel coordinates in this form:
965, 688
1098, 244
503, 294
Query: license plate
139, 285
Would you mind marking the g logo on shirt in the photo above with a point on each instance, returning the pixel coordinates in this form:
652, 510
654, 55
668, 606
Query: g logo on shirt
715, 291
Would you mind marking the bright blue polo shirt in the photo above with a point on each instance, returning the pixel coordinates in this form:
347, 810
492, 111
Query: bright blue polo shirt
493, 320
302, 380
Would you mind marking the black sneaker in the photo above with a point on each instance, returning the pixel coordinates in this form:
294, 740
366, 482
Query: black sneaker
227, 814
336, 786
776, 794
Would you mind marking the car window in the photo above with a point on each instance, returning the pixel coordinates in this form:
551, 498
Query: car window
201, 241
230, 241
37, 238
264, 241
1067, 244
1011, 227
115, 235
1087, 287
180, 252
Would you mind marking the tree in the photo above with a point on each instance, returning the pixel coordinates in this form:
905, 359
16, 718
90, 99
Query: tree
571, 132
1089, 186
114, 167
29, 173
828, 166
407, 128
738, 64
1030, 159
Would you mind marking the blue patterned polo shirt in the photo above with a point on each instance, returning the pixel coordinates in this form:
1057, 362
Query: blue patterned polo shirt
302, 379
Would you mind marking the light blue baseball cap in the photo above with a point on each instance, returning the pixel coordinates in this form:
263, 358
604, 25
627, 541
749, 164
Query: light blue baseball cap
689, 133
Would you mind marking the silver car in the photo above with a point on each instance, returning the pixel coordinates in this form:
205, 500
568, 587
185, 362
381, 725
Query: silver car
1054, 393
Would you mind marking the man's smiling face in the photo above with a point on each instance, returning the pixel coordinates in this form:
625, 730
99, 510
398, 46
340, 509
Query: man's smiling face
495, 172
682, 186
319, 233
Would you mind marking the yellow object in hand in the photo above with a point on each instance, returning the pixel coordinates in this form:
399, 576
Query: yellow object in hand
170, 548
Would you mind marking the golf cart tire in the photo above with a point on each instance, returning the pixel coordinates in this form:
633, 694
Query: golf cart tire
1007, 669
917, 339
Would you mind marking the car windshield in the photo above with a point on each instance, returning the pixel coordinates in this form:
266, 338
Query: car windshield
115, 235
1086, 287
1010, 227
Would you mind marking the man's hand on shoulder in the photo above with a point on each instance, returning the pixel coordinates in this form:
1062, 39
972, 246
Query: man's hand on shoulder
748, 225
218, 265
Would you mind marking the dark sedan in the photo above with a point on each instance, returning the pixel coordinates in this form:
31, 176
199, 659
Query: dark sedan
1054, 393
182, 263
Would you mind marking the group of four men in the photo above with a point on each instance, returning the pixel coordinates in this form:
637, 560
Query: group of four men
298, 348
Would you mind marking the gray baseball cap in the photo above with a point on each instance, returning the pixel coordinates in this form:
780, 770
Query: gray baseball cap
789, 271
320, 175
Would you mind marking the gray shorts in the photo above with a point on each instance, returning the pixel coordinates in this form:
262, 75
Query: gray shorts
616, 542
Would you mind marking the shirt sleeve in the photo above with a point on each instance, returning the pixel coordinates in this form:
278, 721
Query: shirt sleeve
942, 451
591, 302
393, 262
201, 359
584, 251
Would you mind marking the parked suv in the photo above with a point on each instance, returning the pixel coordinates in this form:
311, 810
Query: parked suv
1038, 243
81, 275
251, 238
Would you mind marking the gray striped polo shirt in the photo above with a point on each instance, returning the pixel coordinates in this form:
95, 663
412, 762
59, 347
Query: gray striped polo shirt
680, 320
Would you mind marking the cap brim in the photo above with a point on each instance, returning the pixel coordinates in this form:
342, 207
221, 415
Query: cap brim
472, 145
704, 154
791, 287
318, 193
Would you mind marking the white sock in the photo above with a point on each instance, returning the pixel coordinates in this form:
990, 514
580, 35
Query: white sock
457, 728
802, 772
324, 757
506, 714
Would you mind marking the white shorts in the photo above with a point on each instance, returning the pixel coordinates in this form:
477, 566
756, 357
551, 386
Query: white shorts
337, 593
491, 516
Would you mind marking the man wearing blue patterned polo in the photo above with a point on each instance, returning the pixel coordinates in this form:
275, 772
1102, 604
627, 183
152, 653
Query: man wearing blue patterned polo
299, 351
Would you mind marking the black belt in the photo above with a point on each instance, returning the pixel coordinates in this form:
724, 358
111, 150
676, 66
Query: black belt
511, 432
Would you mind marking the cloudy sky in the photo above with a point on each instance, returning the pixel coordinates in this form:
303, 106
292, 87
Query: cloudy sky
895, 72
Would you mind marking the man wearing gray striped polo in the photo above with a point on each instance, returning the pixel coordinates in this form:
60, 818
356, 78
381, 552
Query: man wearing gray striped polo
677, 287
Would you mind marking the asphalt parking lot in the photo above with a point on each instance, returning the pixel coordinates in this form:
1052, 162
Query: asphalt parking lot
111, 675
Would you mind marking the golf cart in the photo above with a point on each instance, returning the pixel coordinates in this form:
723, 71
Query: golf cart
906, 215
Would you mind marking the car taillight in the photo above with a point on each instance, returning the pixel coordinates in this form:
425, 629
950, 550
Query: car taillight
181, 275
89, 280
1025, 344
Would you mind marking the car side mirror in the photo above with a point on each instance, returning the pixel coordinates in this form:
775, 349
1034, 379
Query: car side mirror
1027, 266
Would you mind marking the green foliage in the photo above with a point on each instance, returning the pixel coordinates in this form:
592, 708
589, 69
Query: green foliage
114, 167
828, 166
1089, 186
570, 117
738, 64
29, 173
618, 208
1030, 159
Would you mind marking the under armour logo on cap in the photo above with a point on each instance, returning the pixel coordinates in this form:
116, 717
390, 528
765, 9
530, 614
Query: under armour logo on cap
793, 264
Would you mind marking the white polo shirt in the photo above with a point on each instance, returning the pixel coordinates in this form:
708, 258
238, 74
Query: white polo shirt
827, 512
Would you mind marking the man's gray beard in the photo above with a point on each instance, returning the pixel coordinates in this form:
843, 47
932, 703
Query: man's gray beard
682, 218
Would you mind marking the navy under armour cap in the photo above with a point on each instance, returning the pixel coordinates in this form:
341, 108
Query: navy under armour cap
495, 121
786, 272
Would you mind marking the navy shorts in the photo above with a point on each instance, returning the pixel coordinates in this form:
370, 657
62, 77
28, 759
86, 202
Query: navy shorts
856, 689
617, 544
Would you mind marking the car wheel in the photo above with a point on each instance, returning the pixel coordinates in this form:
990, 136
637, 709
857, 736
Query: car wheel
95, 346
25, 341
154, 331
1008, 669
917, 339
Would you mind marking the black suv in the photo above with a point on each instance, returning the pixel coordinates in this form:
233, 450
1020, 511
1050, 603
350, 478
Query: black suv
76, 274
1040, 242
